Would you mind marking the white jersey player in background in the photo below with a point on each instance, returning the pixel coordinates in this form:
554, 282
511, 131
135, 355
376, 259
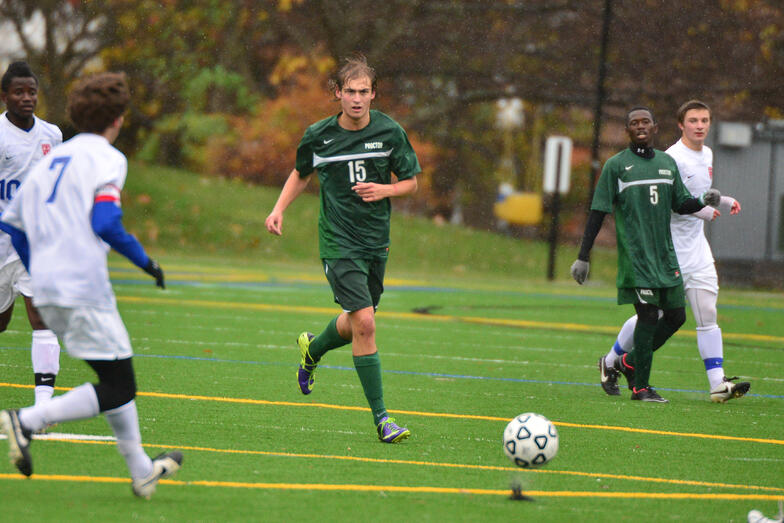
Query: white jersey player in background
60, 222
700, 281
24, 140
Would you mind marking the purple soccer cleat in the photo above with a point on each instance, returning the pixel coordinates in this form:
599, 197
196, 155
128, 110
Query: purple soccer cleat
389, 432
306, 365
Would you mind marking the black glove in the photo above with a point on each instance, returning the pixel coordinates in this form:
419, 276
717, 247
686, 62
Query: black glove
154, 270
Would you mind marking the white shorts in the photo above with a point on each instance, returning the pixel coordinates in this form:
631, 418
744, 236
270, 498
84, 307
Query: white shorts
704, 278
14, 280
89, 333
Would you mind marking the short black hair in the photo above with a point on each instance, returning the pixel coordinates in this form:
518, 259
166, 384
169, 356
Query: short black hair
640, 108
16, 70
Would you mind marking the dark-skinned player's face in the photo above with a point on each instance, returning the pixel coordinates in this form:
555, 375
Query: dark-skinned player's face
641, 128
21, 98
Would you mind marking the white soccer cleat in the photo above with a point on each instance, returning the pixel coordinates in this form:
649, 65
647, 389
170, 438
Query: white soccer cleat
18, 441
163, 466
728, 390
755, 516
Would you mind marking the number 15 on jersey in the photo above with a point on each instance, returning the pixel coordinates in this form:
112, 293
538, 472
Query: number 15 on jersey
357, 171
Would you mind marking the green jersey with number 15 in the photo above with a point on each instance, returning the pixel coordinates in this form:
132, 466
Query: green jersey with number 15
643, 192
348, 226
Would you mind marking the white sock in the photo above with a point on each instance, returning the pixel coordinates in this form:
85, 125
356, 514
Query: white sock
626, 336
611, 357
624, 342
45, 354
43, 393
715, 377
711, 349
78, 403
124, 421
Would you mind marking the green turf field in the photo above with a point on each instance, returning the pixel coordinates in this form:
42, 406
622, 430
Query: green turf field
216, 361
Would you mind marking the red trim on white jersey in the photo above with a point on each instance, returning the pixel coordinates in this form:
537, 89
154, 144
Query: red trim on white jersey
108, 193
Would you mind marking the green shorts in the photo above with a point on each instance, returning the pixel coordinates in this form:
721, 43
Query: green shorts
357, 283
665, 298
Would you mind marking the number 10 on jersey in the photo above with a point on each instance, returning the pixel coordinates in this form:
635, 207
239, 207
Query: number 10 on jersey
357, 171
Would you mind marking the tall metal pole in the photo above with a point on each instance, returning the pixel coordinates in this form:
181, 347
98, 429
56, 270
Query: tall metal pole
600, 96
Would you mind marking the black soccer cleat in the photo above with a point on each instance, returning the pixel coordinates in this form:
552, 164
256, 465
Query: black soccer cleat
19, 440
625, 369
647, 394
608, 378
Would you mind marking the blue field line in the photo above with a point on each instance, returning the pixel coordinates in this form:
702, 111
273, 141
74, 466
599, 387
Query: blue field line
402, 372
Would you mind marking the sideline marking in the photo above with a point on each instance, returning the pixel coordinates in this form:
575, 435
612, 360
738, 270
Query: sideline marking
107, 440
578, 327
249, 401
395, 488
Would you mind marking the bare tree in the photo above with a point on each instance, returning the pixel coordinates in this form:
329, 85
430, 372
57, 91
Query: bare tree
58, 39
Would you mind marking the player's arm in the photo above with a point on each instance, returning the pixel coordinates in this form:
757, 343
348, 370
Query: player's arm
602, 204
707, 213
727, 203
107, 224
293, 187
371, 192
684, 203
19, 241
11, 223
731, 204
405, 166
691, 205
581, 265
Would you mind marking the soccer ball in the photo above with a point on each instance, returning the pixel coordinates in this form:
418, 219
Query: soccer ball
530, 440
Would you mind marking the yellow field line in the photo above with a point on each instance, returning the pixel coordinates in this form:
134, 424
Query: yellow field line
578, 327
434, 464
250, 401
402, 489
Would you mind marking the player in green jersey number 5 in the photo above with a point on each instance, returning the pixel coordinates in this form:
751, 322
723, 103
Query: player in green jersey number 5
354, 153
641, 185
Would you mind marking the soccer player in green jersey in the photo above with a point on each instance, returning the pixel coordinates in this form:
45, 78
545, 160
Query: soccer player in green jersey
642, 185
355, 154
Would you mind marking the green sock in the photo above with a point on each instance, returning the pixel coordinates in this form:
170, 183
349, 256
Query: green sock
369, 371
642, 355
663, 333
329, 339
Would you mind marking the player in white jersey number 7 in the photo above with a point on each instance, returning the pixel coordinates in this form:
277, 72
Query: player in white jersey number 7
64, 214
695, 163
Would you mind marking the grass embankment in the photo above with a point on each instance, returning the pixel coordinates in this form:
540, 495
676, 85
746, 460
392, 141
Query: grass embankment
180, 213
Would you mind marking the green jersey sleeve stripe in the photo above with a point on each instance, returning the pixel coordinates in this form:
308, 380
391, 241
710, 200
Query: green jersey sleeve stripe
318, 160
624, 185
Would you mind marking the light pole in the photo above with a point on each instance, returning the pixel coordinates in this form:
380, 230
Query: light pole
600, 95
